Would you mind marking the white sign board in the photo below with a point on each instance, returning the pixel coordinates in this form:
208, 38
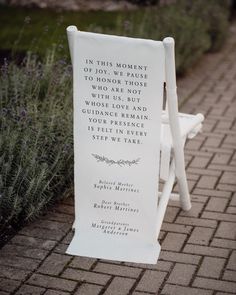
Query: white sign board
118, 93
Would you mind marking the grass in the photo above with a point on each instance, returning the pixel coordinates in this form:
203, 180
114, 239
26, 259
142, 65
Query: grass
36, 29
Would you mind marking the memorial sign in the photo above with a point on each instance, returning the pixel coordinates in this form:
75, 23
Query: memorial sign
118, 93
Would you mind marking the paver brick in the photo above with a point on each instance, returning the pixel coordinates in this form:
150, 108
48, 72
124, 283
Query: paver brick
232, 261
195, 210
60, 248
226, 230
224, 125
207, 182
228, 177
181, 274
231, 210
173, 242
61, 227
208, 127
213, 141
229, 276
61, 217
19, 262
206, 251
196, 222
201, 236
216, 204
52, 282
119, 286
219, 216
193, 145
212, 193
88, 289
213, 284
223, 243
151, 281
23, 251
192, 176
226, 187
181, 290
30, 290
54, 264
197, 153
198, 198
117, 270
86, 276
160, 265
211, 267
176, 228
179, 257
9, 285
33, 242
9, 272
140, 293
57, 292
67, 239
82, 262
43, 233
230, 139
205, 173
200, 162
171, 213
213, 150
191, 185
231, 167
233, 200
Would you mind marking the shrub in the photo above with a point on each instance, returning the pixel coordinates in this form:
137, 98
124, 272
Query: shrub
196, 26
36, 157
214, 14
187, 21
190, 33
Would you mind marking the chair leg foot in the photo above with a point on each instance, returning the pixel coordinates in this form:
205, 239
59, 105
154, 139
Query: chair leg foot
185, 201
186, 207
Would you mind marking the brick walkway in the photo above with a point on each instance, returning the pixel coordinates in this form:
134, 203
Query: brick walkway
198, 254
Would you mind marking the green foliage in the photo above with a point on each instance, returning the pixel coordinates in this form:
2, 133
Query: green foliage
36, 147
214, 14
42, 28
190, 34
37, 30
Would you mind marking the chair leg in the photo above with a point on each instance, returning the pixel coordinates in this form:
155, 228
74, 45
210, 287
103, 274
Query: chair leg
185, 201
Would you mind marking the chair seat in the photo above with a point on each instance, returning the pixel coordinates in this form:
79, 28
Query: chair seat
190, 125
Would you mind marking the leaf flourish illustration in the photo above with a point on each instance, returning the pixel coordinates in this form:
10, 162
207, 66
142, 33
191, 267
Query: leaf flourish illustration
120, 162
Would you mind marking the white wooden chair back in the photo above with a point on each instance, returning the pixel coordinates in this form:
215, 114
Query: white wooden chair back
118, 98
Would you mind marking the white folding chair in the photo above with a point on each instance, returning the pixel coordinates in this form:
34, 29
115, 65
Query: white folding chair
174, 129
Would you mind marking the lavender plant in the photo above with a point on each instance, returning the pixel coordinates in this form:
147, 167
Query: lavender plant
36, 145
